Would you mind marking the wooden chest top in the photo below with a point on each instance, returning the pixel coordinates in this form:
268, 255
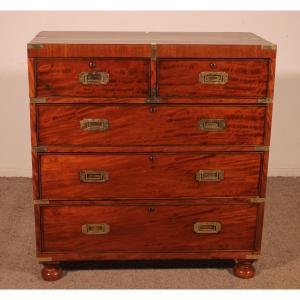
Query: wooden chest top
138, 44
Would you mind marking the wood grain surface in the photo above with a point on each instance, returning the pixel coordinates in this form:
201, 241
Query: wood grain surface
60, 77
136, 228
180, 78
149, 175
150, 125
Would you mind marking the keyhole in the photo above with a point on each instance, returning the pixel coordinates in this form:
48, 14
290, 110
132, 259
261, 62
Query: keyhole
92, 64
153, 109
151, 209
213, 65
152, 158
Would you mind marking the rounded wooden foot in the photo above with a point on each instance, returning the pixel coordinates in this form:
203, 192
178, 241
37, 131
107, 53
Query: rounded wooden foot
51, 272
244, 269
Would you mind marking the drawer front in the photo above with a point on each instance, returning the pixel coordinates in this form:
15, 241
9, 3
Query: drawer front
136, 228
164, 175
213, 78
106, 78
150, 125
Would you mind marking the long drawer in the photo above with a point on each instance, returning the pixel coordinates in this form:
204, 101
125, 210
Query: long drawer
137, 228
93, 78
146, 175
115, 125
217, 78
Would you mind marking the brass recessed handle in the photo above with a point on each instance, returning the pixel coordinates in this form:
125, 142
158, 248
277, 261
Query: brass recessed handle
207, 227
93, 176
94, 78
101, 228
212, 124
213, 77
209, 175
94, 124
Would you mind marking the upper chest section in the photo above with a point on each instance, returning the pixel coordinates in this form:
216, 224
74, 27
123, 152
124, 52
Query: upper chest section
137, 65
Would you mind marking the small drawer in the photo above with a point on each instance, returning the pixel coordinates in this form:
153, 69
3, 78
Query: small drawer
92, 78
152, 175
212, 78
138, 228
92, 125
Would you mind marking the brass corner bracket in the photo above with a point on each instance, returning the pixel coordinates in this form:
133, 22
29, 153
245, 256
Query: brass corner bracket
39, 149
38, 100
262, 148
264, 100
269, 47
43, 259
41, 202
257, 200
35, 46
153, 51
153, 98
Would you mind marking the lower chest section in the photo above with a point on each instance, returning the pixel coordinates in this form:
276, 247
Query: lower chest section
149, 228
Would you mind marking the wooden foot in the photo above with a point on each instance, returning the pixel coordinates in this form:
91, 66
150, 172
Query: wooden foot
51, 272
244, 269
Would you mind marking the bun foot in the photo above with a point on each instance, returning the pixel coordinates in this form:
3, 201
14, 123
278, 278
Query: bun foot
244, 269
51, 272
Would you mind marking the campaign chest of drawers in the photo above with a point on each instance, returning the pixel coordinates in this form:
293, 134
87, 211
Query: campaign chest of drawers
149, 146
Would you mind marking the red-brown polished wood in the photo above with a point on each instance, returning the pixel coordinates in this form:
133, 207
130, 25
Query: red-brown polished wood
244, 269
180, 78
150, 125
51, 272
162, 228
151, 151
60, 77
149, 175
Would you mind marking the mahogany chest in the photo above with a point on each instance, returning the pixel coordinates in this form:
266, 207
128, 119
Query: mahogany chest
149, 145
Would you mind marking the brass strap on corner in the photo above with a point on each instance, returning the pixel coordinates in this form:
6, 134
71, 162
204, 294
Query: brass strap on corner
154, 98
41, 202
153, 51
38, 100
39, 149
35, 46
257, 200
44, 259
262, 148
264, 100
153, 92
269, 47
